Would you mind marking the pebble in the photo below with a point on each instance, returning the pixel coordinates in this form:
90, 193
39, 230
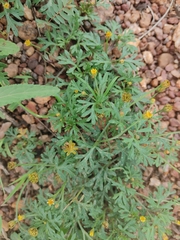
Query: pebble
176, 37
167, 28
11, 70
178, 84
39, 70
150, 74
28, 31
30, 51
176, 106
169, 67
148, 57
28, 118
164, 59
32, 63
159, 33
42, 100
145, 20
173, 20
174, 122
162, 9
31, 106
158, 71
154, 82
135, 16
164, 124
164, 100
28, 13
175, 73
105, 13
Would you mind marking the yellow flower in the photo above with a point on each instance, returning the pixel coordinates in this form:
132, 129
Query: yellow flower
93, 72
6, 5
70, 147
105, 224
11, 165
108, 34
126, 97
165, 237
58, 114
167, 108
83, 93
27, 43
153, 100
121, 113
33, 177
163, 86
147, 115
22, 132
11, 224
142, 218
50, 201
129, 83
178, 222
121, 61
33, 232
20, 217
91, 233
166, 152
76, 91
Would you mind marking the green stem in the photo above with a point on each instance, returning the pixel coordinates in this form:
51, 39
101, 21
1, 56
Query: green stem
32, 113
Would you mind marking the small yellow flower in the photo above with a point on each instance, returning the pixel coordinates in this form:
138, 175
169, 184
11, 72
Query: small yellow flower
22, 132
167, 108
121, 61
105, 225
91, 233
129, 83
153, 100
58, 114
142, 218
6, 5
11, 224
33, 232
121, 113
83, 93
163, 86
126, 97
76, 91
165, 237
33, 177
147, 115
20, 217
108, 34
166, 152
11, 165
178, 222
50, 201
70, 147
93, 72
27, 43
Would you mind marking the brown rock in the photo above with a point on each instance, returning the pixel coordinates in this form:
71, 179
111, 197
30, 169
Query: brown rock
148, 57
30, 51
171, 94
27, 31
32, 106
171, 114
164, 59
29, 119
145, 20
105, 13
150, 74
154, 82
169, 67
32, 63
50, 69
12, 70
162, 9
176, 106
176, 37
5, 126
167, 28
178, 84
174, 122
28, 13
42, 100
173, 20
160, 2
159, 33
175, 73
164, 100
155, 182
158, 71
125, 7
164, 124
39, 70
135, 16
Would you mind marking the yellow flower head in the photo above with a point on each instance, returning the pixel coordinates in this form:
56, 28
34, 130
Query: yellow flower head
70, 147
20, 217
50, 201
163, 86
11, 224
58, 114
11, 165
167, 108
148, 114
33, 177
91, 233
108, 34
165, 237
105, 225
6, 5
166, 152
27, 43
33, 232
142, 218
76, 91
121, 113
22, 132
93, 72
83, 93
178, 222
153, 100
129, 83
126, 97
121, 61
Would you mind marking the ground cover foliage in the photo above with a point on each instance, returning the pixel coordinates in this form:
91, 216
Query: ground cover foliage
106, 132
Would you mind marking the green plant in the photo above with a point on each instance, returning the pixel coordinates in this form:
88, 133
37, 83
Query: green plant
106, 131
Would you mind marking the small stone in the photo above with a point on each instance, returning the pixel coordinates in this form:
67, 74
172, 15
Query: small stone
167, 28
145, 20
159, 33
169, 67
144, 82
178, 84
135, 16
11, 70
176, 106
175, 73
158, 71
173, 20
39, 70
42, 100
164, 100
162, 9
125, 7
28, 13
28, 31
105, 13
148, 57
174, 122
32, 63
154, 82
175, 174
164, 124
43, 110
29, 119
164, 59
30, 51
150, 74
171, 114
32, 106
155, 182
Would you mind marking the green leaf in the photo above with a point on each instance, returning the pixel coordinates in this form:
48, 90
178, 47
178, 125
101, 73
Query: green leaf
18, 92
7, 47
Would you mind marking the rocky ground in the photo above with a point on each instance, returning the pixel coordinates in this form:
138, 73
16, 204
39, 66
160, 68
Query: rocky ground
156, 25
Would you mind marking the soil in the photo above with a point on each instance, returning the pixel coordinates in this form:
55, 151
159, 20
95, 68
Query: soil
156, 25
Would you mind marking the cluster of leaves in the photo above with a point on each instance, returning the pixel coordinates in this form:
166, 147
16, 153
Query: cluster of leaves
104, 138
